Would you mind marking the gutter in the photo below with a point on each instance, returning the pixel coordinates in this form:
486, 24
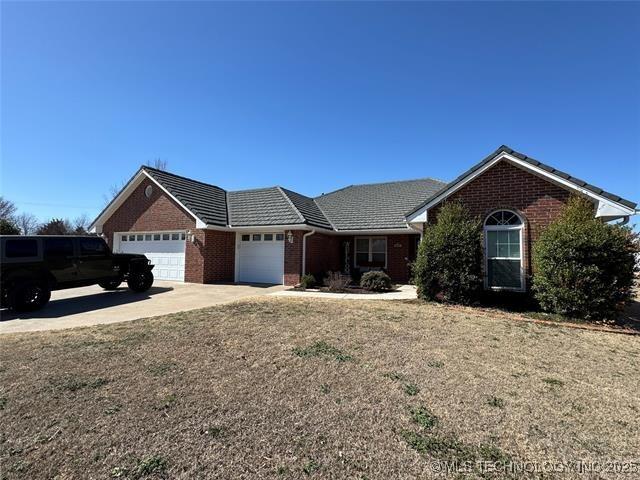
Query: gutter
304, 250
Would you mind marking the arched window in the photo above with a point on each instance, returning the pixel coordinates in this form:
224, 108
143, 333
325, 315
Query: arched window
503, 250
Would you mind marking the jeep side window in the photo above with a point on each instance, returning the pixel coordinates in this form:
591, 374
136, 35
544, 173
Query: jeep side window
93, 246
58, 247
21, 248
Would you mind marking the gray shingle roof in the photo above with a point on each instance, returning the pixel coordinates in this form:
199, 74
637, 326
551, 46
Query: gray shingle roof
309, 209
376, 206
261, 207
206, 201
536, 163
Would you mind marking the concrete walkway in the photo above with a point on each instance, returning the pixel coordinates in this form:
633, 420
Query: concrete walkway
404, 292
79, 307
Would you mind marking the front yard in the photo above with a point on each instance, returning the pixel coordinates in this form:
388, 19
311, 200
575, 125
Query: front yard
288, 388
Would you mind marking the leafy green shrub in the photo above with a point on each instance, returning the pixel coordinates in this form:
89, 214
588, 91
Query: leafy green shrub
376, 281
337, 281
449, 262
307, 281
583, 267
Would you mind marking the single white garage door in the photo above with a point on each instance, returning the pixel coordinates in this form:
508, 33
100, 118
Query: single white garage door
260, 257
164, 249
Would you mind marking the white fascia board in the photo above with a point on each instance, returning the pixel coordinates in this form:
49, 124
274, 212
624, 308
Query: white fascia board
606, 206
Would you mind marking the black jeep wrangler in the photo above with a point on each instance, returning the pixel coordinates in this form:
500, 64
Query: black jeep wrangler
33, 266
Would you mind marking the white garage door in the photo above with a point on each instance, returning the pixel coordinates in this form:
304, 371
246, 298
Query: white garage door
261, 257
164, 249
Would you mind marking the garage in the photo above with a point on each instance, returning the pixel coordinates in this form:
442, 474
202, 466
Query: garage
260, 257
165, 250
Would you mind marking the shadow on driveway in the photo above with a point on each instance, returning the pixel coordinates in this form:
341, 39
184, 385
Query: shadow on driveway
85, 303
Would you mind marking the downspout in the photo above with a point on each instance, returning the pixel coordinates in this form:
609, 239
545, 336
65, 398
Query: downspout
304, 250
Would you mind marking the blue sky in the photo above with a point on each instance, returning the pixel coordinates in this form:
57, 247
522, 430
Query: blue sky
311, 96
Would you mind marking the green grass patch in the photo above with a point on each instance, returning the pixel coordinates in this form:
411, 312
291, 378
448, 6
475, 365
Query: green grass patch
423, 417
322, 349
554, 382
311, 467
496, 402
411, 389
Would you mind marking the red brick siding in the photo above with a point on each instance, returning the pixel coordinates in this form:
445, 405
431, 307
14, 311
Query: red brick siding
505, 186
322, 254
210, 259
139, 213
398, 257
293, 257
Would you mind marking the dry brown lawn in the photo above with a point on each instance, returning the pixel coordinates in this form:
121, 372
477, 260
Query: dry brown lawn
283, 388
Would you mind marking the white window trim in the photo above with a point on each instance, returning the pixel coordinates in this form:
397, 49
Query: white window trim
495, 228
370, 237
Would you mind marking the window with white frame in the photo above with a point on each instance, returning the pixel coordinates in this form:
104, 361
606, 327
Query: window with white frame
371, 252
503, 250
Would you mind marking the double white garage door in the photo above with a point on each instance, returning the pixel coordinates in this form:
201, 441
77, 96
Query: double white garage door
259, 255
164, 249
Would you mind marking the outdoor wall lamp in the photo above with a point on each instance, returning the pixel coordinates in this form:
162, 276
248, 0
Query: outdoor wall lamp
290, 236
191, 237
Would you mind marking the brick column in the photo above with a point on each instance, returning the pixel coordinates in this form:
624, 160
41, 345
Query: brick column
293, 257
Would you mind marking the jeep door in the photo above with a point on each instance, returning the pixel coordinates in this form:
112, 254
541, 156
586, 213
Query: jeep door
60, 259
94, 259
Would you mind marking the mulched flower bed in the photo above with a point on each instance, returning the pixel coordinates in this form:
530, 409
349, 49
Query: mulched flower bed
356, 290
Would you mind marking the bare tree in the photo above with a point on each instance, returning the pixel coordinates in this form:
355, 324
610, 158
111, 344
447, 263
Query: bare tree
27, 223
7, 209
158, 163
81, 224
114, 190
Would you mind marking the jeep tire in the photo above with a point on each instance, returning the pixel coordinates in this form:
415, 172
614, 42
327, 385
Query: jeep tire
140, 281
29, 295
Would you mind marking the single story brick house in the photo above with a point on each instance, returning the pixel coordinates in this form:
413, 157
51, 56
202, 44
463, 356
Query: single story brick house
197, 232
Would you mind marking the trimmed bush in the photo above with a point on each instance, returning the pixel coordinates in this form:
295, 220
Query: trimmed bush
337, 281
583, 267
307, 281
376, 281
449, 262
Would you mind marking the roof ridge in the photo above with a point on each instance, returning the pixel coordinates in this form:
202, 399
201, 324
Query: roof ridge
324, 214
145, 167
281, 190
259, 189
422, 179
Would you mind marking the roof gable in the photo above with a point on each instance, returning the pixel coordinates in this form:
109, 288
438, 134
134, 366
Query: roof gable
608, 201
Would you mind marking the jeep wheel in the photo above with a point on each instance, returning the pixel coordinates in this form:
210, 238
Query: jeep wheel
140, 281
111, 284
29, 295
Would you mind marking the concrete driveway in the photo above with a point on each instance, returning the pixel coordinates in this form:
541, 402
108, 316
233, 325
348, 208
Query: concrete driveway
79, 307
